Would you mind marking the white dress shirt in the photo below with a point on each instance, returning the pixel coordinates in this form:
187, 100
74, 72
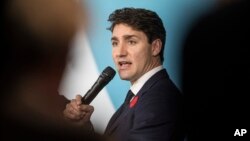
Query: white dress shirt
143, 79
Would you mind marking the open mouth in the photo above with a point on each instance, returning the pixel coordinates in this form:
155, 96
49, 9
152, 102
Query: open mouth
124, 64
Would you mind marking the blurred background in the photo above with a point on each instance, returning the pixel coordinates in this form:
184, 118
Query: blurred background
91, 49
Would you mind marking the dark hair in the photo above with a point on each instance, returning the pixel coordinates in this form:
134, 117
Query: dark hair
143, 20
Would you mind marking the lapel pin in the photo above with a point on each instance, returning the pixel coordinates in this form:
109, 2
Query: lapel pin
133, 102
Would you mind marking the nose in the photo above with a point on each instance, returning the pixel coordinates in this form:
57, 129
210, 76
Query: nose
121, 50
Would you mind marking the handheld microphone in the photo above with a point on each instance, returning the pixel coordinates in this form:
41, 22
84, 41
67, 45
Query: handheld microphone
106, 76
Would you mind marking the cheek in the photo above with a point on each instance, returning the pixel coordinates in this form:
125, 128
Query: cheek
113, 54
141, 59
114, 57
140, 56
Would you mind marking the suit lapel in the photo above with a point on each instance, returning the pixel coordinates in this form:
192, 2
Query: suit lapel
113, 118
155, 78
120, 113
117, 119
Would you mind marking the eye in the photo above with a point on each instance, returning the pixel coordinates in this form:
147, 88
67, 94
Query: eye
132, 42
114, 43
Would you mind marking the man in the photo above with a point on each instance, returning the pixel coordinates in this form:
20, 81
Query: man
154, 111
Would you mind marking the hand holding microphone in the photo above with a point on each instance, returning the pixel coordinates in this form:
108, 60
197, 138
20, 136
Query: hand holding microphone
79, 109
77, 112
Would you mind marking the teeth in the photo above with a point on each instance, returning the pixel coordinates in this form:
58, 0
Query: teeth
123, 62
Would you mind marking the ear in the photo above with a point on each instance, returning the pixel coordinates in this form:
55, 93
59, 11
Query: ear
156, 47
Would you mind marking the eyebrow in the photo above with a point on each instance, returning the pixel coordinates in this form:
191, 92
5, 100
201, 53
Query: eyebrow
114, 38
125, 36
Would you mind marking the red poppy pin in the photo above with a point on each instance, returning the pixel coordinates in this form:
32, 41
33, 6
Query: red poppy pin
133, 102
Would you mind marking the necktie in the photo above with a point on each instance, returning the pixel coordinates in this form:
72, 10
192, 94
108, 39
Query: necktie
128, 97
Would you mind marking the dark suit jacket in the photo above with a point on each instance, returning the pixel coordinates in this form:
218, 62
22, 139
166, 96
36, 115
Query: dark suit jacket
155, 117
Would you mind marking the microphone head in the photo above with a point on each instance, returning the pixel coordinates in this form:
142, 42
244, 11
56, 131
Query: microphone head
109, 72
105, 77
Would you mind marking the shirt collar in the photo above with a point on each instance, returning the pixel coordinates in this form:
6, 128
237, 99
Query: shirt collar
143, 79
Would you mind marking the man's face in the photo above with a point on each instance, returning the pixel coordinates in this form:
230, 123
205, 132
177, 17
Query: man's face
132, 54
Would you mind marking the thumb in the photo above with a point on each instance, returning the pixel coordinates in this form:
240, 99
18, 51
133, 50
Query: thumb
78, 99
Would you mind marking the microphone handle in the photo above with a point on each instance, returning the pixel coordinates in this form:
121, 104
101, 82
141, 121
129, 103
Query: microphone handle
92, 93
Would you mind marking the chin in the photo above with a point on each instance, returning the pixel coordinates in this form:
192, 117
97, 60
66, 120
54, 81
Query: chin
123, 77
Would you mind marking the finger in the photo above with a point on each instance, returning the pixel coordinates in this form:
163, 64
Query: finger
83, 114
87, 116
78, 99
87, 108
74, 104
71, 114
73, 117
73, 109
